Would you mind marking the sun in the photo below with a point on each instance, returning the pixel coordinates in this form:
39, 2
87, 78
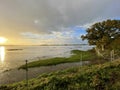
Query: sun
2, 40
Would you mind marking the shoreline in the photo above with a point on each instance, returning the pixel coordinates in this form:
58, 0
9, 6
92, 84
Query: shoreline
86, 77
9, 77
77, 55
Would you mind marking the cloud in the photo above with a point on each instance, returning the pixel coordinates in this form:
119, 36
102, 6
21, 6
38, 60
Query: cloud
67, 35
40, 18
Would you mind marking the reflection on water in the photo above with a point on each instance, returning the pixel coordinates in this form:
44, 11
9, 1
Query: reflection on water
2, 53
11, 57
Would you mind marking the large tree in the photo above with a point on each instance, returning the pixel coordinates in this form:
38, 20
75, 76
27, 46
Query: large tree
102, 34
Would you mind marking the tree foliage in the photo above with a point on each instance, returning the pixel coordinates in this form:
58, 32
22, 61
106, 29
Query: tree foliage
102, 34
115, 45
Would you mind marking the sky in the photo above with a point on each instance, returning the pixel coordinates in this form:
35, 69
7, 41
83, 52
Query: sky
36, 22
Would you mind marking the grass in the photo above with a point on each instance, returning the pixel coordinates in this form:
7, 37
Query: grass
93, 77
75, 57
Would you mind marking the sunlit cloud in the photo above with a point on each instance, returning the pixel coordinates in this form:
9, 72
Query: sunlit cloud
31, 21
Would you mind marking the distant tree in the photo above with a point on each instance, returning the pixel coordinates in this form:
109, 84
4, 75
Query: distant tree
102, 34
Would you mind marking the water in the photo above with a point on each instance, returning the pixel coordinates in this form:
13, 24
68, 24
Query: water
11, 57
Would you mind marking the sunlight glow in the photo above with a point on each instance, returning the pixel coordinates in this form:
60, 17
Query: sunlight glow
2, 53
2, 40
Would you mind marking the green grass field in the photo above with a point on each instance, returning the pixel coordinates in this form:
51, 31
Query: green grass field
75, 57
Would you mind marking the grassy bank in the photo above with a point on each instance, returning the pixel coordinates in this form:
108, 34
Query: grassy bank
94, 77
76, 56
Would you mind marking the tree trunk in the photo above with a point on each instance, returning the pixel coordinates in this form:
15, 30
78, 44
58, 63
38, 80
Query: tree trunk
102, 46
98, 52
